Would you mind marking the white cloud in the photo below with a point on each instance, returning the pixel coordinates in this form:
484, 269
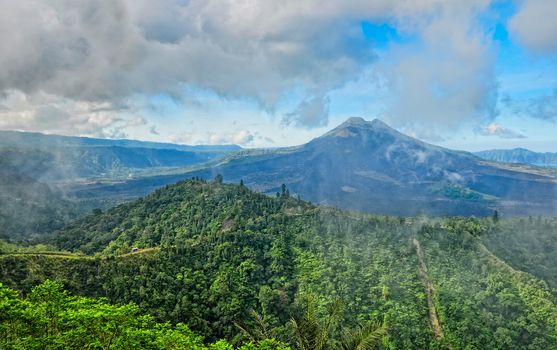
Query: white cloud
535, 25
153, 130
447, 77
182, 138
109, 50
50, 114
106, 52
542, 107
240, 137
312, 112
495, 129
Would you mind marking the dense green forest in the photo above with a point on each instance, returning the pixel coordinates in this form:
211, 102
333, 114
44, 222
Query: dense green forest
527, 244
238, 265
50, 318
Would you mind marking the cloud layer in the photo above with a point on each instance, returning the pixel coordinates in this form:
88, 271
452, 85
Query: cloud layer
55, 115
495, 129
535, 25
80, 66
447, 76
111, 50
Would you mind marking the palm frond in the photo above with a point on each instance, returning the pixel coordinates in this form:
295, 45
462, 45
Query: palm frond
257, 330
363, 337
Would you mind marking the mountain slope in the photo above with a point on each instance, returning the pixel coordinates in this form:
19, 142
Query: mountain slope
35, 169
39, 140
371, 167
74, 163
54, 158
368, 166
521, 156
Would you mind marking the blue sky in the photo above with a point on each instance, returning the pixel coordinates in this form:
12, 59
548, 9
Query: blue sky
470, 75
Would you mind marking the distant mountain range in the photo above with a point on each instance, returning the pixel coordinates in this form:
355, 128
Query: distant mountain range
39, 140
52, 157
37, 173
520, 156
368, 166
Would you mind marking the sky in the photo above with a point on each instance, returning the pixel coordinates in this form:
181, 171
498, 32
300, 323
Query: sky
471, 75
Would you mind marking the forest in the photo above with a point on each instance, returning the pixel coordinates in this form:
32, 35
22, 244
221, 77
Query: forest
267, 272
50, 318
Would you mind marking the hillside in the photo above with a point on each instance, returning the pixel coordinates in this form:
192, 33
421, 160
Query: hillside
225, 250
70, 164
50, 158
39, 173
521, 156
45, 141
370, 167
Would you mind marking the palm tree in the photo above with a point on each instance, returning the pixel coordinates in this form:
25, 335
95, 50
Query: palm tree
365, 337
310, 332
258, 330
313, 331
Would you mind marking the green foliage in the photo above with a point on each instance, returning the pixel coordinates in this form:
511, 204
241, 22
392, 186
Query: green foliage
49, 318
454, 191
366, 337
311, 332
218, 256
482, 302
528, 245
218, 179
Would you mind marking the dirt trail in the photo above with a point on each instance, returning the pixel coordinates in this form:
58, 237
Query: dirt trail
65, 255
428, 286
61, 255
142, 251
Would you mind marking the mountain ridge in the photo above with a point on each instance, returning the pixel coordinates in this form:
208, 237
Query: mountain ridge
51, 158
520, 155
26, 138
371, 167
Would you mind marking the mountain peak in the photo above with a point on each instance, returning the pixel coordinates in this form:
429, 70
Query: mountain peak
355, 125
354, 121
361, 122
379, 123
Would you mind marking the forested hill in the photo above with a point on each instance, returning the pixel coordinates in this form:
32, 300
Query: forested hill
33, 164
236, 264
175, 214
